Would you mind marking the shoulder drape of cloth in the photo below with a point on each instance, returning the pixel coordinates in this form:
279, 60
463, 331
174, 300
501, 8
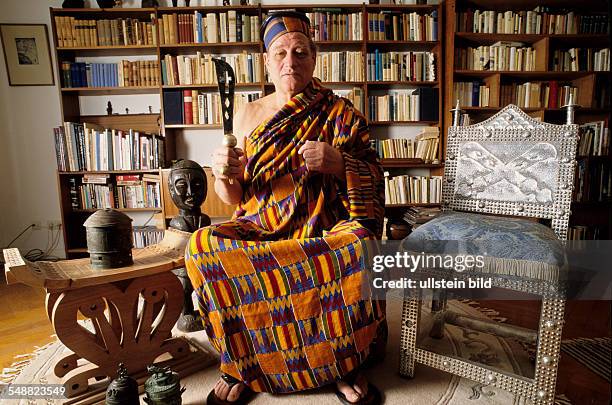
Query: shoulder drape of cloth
283, 198
282, 288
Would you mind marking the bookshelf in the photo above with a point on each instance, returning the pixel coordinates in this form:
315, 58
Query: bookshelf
165, 40
484, 83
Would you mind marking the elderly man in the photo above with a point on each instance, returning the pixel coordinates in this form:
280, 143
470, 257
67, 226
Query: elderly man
283, 289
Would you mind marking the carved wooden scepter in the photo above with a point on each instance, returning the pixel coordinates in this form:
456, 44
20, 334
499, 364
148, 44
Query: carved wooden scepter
226, 80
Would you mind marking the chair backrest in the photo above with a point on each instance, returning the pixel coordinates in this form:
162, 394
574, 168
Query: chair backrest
512, 164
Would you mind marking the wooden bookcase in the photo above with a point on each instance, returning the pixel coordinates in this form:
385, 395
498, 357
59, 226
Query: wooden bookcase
74, 233
589, 83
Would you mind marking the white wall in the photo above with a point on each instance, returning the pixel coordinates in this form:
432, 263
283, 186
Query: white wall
28, 183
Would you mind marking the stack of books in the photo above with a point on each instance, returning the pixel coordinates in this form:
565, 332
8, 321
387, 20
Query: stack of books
417, 216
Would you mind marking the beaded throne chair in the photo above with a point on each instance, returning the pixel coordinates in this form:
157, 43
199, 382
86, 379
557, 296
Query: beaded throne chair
508, 165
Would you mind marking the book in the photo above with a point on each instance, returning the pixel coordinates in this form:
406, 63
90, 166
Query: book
173, 107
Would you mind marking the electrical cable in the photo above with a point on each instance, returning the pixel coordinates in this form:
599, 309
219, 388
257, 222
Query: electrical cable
17, 237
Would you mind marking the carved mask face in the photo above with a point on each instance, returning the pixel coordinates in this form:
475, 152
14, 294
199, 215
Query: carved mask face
188, 188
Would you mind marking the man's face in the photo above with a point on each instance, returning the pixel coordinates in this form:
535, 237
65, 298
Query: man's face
187, 188
290, 62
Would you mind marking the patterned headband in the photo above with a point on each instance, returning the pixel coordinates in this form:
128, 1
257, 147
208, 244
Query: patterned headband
281, 22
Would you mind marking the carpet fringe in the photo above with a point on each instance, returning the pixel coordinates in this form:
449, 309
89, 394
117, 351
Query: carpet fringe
9, 374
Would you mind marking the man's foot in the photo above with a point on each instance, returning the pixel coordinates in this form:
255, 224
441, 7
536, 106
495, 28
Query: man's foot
354, 393
229, 390
228, 393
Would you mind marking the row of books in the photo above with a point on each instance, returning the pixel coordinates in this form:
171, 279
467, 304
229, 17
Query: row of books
537, 94
581, 59
594, 139
121, 74
503, 56
582, 232
396, 26
339, 66
72, 32
144, 236
425, 146
417, 216
86, 147
401, 66
230, 26
420, 104
593, 182
333, 25
406, 189
200, 69
94, 194
472, 94
538, 21
197, 107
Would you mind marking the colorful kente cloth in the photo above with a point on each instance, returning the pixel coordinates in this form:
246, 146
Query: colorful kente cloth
283, 288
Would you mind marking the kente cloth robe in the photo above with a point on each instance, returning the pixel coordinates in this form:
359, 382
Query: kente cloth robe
283, 287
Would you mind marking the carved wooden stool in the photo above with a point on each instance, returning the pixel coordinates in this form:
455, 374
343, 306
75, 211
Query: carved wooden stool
131, 310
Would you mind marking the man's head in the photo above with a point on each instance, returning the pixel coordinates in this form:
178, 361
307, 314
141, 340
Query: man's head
187, 185
290, 52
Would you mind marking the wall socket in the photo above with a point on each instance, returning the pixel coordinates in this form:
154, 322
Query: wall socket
46, 225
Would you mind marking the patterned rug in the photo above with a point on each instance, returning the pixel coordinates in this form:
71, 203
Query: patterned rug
428, 387
592, 353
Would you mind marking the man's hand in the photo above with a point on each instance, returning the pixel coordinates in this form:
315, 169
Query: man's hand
232, 159
323, 158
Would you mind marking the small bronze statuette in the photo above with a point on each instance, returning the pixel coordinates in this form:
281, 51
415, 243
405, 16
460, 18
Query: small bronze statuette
109, 108
188, 188
123, 390
109, 239
163, 387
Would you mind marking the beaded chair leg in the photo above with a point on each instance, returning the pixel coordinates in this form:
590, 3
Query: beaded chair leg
549, 347
438, 309
410, 318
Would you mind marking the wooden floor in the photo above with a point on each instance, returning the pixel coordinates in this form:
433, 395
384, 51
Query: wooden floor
24, 325
23, 321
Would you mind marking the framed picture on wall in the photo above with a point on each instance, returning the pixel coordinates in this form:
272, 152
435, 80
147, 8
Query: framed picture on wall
27, 55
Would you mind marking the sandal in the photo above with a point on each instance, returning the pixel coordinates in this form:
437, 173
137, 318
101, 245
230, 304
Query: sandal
373, 396
243, 398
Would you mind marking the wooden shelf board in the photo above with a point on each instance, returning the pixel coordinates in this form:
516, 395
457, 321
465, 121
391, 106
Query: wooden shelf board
585, 110
109, 172
356, 6
541, 74
208, 8
383, 123
77, 250
402, 7
206, 86
412, 205
103, 48
403, 83
117, 10
209, 45
334, 42
195, 126
408, 163
122, 209
396, 43
343, 83
110, 90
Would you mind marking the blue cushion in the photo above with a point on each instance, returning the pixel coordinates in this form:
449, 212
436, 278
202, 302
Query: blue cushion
512, 246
